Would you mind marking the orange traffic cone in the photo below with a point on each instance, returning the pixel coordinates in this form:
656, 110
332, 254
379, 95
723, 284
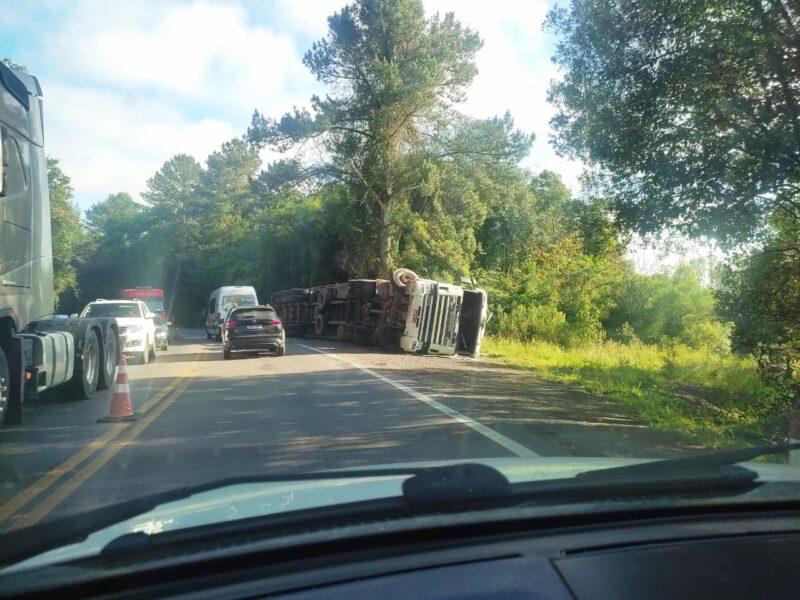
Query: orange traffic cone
121, 409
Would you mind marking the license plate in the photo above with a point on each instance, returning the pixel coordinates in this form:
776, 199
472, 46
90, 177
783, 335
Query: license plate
255, 327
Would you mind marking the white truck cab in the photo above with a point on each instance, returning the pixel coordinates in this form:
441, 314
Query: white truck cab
444, 319
433, 317
137, 328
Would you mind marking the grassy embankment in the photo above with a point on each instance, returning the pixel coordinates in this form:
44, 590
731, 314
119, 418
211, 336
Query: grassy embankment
710, 399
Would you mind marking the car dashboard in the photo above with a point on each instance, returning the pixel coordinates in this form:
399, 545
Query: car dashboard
731, 554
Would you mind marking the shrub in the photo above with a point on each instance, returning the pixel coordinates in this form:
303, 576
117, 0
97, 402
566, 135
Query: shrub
710, 335
532, 322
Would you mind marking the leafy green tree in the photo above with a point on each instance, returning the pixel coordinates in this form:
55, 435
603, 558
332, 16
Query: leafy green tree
111, 256
177, 219
760, 293
667, 307
393, 77
229, 249
67, 232
689, 109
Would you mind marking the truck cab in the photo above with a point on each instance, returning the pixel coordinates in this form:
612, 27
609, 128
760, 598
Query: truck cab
38, 350
444, 319
432, 319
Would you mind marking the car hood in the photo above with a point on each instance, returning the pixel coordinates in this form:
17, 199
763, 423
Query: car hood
127, 321
242, 501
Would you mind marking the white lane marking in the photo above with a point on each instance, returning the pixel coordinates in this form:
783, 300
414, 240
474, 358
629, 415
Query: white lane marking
493, 435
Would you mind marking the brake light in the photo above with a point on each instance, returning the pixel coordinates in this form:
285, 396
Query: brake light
230, 324
274, 322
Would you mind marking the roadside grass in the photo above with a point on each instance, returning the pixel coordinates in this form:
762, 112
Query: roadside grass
710, 399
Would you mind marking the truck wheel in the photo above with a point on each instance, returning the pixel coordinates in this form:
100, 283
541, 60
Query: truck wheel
281, 351
319, 324
403, 276
5, 378
84, 383
322, 300
153, 351
110, 360
226, 353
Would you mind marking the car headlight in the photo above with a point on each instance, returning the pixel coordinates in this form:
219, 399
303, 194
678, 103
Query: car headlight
134, 328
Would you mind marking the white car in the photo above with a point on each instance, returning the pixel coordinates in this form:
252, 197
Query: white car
137, 329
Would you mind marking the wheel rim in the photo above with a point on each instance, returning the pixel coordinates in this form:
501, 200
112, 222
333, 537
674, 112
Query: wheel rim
90, 364
111, 356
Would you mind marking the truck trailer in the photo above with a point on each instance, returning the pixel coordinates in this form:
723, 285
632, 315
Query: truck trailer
406, 312
39, 350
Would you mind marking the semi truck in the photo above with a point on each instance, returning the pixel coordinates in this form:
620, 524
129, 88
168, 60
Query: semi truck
405, 311
39, 350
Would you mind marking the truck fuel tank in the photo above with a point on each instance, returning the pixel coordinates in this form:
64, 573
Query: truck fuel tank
53, 357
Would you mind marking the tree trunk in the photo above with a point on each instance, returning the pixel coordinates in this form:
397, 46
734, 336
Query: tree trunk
383, 254
174, 292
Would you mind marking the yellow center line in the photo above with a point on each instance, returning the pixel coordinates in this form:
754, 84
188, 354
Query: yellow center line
79, 478
49, 478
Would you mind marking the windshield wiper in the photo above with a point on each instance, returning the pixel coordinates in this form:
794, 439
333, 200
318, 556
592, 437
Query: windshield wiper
713, 472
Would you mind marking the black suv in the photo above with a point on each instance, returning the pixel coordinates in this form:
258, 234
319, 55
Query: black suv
253, 329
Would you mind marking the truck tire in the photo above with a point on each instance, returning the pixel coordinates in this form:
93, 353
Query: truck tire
84, 382
403, 276
319, 324
110, 359
5, 386
281, 351
153, 351
226, 353
322, 299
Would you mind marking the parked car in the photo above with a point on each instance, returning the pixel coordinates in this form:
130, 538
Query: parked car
137, 329
221, 301
253, 329
162, 332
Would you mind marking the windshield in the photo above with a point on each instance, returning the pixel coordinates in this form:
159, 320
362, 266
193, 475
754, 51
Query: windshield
230, 302
112, 310
154, 305
259, 314
557, 232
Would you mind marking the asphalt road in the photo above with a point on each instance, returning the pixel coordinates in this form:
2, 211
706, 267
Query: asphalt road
321, 406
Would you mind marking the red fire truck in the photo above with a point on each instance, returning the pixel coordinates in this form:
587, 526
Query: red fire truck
152, 297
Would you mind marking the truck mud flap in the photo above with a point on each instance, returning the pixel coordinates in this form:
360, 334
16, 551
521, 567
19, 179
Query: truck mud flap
17, 381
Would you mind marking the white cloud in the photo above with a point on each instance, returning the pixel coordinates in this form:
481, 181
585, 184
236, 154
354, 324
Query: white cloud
514, 72
203, 53
129, 84
109, 142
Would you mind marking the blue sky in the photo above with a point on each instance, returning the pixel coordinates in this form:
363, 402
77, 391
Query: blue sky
129, 84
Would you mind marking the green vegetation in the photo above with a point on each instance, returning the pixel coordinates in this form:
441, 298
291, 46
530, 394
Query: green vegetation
712, 399
689, 112
688, 115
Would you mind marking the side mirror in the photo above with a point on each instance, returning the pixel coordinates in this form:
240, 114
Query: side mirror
149, 316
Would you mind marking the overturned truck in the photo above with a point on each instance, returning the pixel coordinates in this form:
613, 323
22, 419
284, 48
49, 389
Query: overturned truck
407, 312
